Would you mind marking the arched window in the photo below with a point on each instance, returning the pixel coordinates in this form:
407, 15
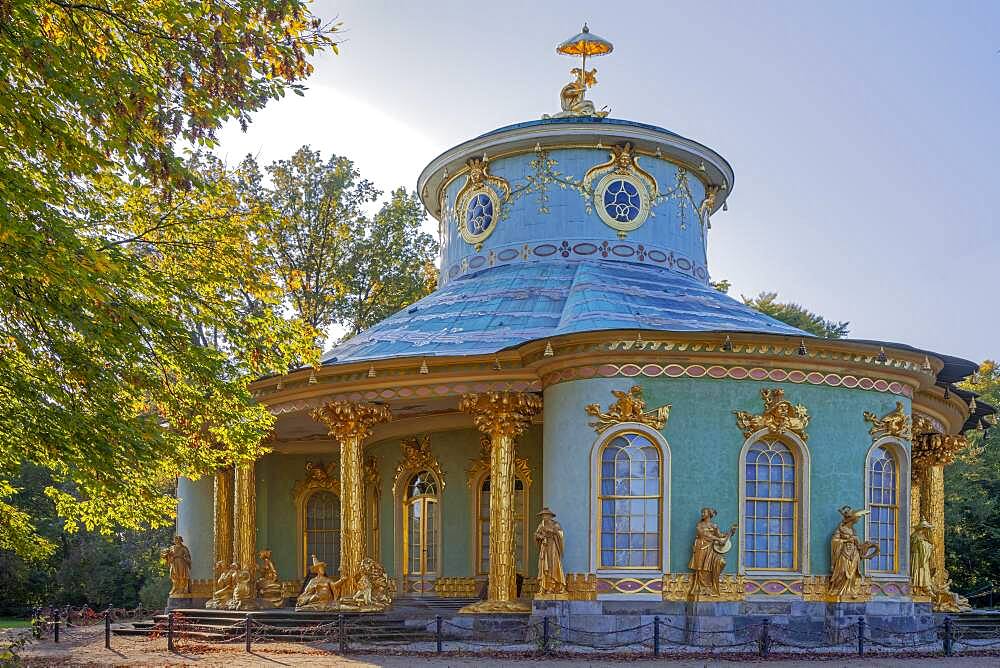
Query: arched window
630, 501
883, 502
421, 535
322, 530
520, 526
771, 506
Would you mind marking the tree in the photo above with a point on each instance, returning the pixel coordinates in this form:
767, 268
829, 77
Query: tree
337, 265
796, 315
972, 498
115, 249
390, 264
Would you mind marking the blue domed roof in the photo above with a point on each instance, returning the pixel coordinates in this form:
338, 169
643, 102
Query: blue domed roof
500, 307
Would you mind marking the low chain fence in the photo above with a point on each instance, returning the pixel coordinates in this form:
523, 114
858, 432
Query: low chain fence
547, 636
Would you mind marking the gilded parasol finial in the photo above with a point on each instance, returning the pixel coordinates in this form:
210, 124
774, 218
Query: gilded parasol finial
573, 96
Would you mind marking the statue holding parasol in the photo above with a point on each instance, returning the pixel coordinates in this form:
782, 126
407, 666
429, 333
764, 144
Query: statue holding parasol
573, 97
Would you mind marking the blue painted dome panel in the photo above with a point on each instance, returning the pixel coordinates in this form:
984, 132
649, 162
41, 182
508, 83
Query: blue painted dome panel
488, 311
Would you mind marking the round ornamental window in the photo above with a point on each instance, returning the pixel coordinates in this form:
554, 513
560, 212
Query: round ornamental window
479, 214
622, 202
481, 211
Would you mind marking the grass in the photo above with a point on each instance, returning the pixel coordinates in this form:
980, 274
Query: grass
11, 623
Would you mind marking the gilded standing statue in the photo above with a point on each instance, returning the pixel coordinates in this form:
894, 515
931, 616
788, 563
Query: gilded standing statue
846, 553
178, 559
551, 543
708, 554
921, 558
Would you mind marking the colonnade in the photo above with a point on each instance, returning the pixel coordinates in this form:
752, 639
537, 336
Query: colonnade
502, 416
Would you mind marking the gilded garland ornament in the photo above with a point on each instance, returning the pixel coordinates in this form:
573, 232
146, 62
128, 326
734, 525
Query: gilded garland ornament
624, 191
417, 456
479, 203
629, 407
481, 466
779, 416
894, 423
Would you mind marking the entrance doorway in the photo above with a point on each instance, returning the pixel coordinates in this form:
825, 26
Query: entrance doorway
422, 534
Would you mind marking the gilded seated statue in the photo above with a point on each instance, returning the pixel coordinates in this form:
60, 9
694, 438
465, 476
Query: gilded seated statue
223, 595
573, 96
268, 585
374, 588
321, 592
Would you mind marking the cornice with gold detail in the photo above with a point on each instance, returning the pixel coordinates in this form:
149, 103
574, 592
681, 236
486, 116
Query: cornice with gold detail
779, 416
529, 368
318, 477
628, 407
417, 456
481, 466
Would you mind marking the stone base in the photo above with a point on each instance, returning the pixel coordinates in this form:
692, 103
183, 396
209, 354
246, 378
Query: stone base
175, 603
713, 623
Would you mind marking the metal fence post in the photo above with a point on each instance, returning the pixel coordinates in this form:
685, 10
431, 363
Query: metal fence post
545, 634
55, 628
437, 634
947, 636
341, 636
246, 631
107, 629
170, 630
656, 636
765, 638
861, 636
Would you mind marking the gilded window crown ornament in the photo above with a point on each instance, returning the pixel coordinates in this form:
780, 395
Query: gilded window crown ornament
481, 466
779, 416
479, 203
629, 407
894, 423
319, 477
417, 456
624, 191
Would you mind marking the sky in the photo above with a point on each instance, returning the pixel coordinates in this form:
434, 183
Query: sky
864, 136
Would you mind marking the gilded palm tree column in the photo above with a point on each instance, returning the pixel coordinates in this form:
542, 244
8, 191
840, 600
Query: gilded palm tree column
350, 424
502, 416
931, 453
245, 536
222, 519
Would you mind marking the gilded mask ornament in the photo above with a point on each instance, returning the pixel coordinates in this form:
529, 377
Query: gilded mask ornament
629, 407
895, 423
479, 203
624, 191
779, 416
417, 456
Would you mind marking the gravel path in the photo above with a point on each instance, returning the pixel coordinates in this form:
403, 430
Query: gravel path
85, 647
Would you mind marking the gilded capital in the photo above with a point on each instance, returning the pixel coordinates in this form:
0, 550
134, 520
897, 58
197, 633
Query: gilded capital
346, 419
501, 413
937, 449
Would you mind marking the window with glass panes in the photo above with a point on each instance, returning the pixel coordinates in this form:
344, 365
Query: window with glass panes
520, 512
630, 502
771, 507
883, 502
322, 528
